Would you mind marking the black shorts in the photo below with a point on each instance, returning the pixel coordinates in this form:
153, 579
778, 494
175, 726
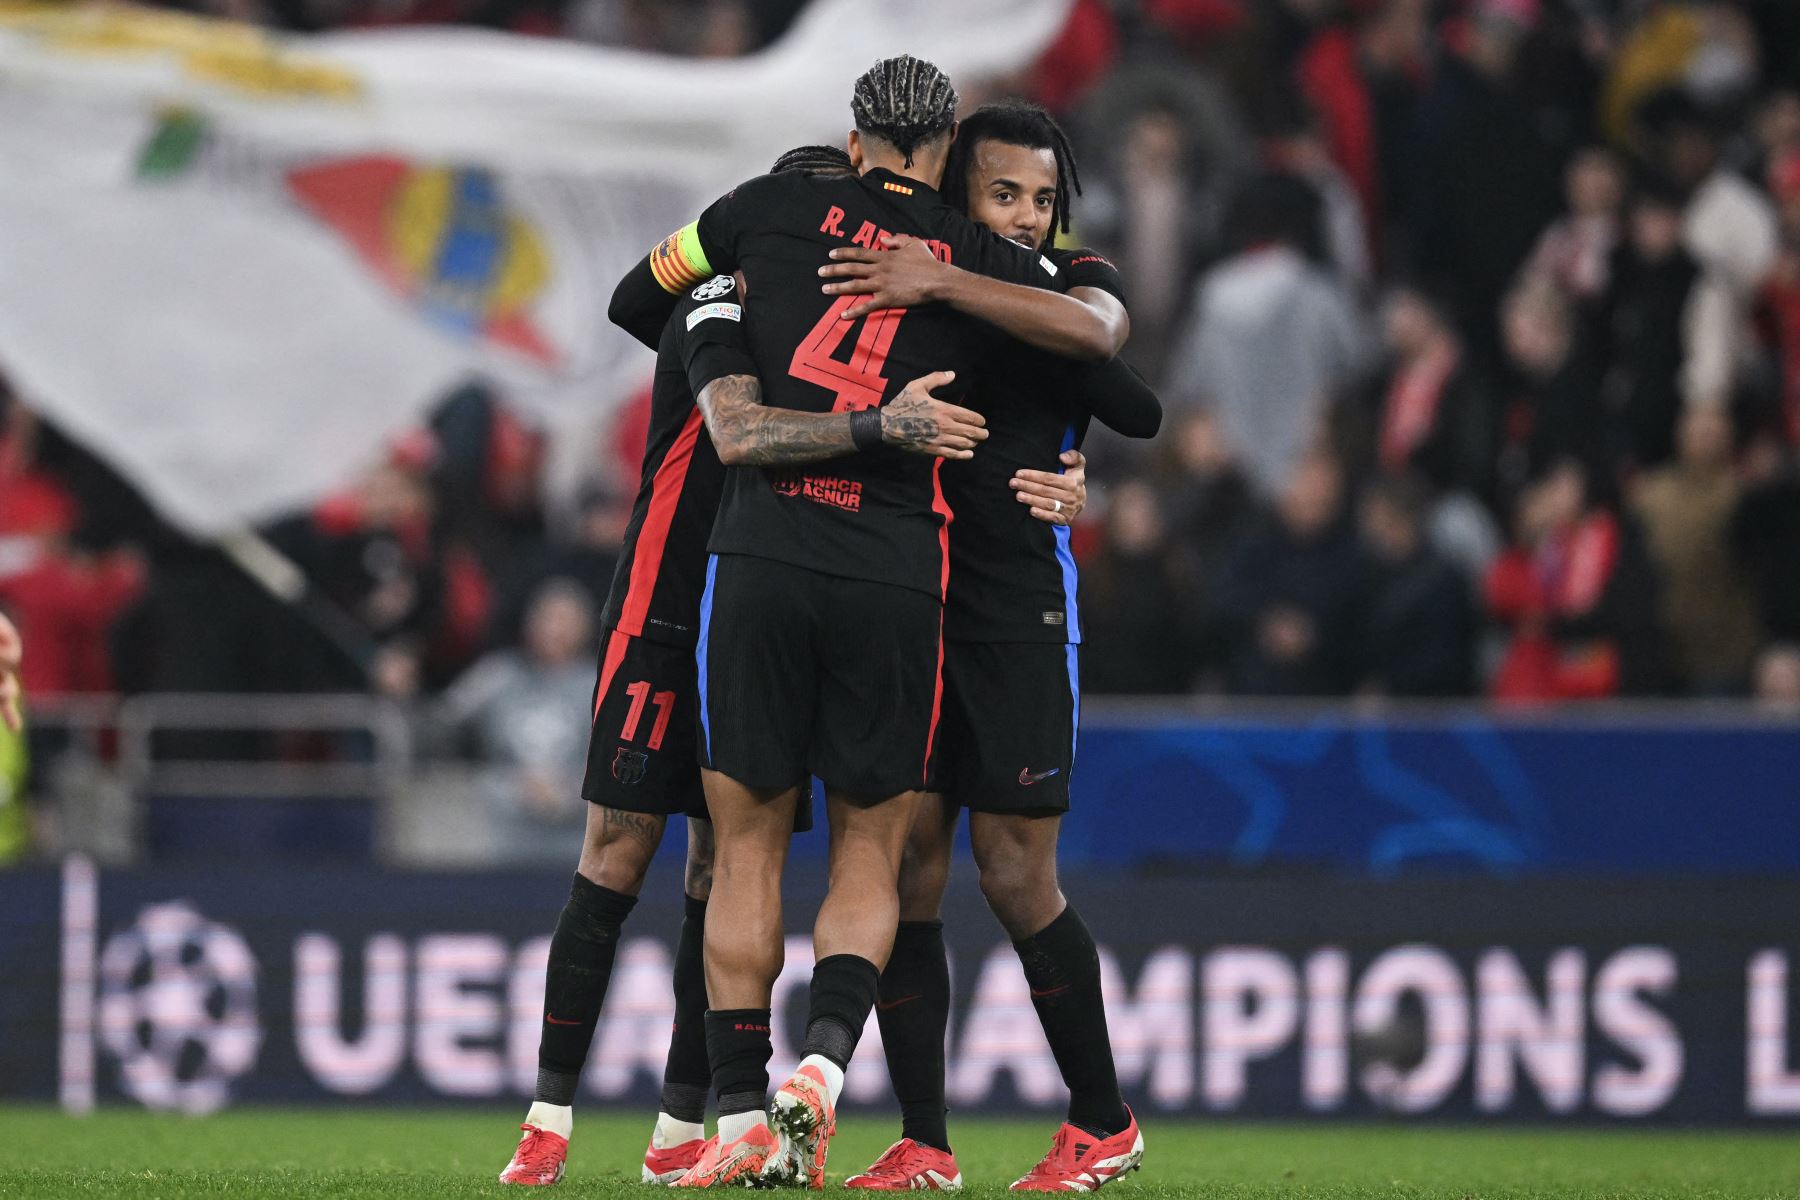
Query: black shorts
803, 673
646, 689
1012, 711
641, 750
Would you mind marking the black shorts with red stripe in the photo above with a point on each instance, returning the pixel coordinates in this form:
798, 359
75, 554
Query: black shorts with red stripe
642, 754
806, 673
641, 750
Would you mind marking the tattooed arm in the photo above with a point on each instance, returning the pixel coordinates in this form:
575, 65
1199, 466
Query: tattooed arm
748, 433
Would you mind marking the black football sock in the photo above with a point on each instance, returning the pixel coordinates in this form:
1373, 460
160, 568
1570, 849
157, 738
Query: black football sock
1063, 969
580, 967
843, 992
737, 1044
686, 1078
914, 1011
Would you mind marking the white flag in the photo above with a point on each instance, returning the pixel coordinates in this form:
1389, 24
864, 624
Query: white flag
234, 264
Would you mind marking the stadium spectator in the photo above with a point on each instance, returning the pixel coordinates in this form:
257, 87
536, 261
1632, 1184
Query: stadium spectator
1293, 145
1555, 411
1708, 609
1575, 252
1645, 326
526, 712
373, 553
1483, 171
1273, 338
1362, 75
1292, 593
1134, 613
1432, 413
1418, 636
1576, 596
1207, 497
64, 598
1729, 229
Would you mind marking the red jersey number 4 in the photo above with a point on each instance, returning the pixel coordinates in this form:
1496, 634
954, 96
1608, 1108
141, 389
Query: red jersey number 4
858, 382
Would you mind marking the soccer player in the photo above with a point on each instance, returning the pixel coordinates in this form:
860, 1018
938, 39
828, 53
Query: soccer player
1011, 688
641, 758
820, 638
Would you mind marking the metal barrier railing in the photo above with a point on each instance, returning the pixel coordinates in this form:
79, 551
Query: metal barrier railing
99, 758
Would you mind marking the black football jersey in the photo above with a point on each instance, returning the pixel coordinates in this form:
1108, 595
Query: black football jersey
1012, 576
879, 515
662, 562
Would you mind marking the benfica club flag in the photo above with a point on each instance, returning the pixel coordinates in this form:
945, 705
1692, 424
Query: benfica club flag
235, 264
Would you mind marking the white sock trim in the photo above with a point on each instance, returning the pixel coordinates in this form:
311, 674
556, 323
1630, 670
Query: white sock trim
553, 1118
670, 1132
736, 1125
834, 1074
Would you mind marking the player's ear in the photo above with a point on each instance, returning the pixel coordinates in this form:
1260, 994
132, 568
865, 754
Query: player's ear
853, 143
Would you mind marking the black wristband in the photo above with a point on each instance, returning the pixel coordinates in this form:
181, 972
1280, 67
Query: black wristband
865, 428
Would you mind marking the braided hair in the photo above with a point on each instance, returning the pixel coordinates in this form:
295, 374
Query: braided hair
1015, 123
905, 101
814, 160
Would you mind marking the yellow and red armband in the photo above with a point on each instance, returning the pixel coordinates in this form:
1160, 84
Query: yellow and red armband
678, 262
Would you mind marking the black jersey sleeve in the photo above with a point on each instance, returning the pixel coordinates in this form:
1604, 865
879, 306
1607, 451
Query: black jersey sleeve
1088, 268
640, 306
687, 258
986, 253
712, 333
1117, 396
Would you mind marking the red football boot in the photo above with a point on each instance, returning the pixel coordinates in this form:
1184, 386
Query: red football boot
803, 1112
538, 1160
910, 1166
1080, 1162
667, 1164
758, 1159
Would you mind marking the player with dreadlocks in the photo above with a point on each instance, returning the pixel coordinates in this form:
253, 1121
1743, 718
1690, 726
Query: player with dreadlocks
821, 626
641, 759
1011, 679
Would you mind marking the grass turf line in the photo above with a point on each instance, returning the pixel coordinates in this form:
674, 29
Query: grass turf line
303, 1153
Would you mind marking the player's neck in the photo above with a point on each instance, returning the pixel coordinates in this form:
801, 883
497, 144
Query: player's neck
926, 170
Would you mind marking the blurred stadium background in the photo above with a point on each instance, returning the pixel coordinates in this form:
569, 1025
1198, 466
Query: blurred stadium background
1442, 741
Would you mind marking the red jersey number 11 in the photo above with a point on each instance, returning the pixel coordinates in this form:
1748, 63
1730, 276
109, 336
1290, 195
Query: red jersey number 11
858, 382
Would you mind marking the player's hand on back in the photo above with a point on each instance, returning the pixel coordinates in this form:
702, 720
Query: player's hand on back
917, 421
904, 274
1053, 497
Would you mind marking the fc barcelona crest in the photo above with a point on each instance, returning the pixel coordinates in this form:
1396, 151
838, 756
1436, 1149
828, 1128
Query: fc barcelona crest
628, 766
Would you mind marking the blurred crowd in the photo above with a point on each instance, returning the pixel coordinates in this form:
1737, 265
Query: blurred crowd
1478, 322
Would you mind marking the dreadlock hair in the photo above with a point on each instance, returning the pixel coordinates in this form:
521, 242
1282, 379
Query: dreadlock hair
905, 101
814, 160
1015, 123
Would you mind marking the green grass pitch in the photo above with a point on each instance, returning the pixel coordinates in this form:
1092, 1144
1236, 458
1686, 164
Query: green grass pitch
249, 1155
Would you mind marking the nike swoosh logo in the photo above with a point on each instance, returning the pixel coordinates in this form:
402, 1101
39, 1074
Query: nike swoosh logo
890, 1005
550, 1020
1050, 991
1027, 776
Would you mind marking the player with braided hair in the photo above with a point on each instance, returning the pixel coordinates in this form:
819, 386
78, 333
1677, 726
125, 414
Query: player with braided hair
1011, 689
906, 102
641, 760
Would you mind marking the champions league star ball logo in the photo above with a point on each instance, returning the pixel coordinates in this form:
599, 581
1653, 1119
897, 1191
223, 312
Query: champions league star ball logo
178, 1008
